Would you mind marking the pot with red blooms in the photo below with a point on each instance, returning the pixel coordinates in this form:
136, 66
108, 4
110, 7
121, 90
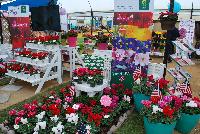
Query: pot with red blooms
161, 115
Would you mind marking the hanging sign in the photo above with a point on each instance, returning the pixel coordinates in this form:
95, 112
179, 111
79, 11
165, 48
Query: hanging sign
18, 11
133, 5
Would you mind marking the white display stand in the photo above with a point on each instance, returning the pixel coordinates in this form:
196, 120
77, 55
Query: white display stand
54, 61
181, 59
91, 91
74, 57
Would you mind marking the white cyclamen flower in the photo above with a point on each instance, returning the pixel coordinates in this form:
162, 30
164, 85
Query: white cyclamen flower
156, 109
106, 116
90, 78
88, 127
75, 78
75, 106
35, 132
42, 124
127, 98
16, 126
55, 118
58, 129
40, 116
37, 128
24, 121
73, 118
191, 104
138, 81
51, 97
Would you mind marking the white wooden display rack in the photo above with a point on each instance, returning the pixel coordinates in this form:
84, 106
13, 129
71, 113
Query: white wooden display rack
182, 50
47, 67
74, 57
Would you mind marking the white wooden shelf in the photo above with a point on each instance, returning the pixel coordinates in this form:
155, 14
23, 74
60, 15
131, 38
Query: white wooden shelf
33, 64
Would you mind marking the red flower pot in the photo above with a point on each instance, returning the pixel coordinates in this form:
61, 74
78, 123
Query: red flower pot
102, 46
72, 41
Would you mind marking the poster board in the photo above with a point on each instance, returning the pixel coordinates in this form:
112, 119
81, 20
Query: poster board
156, 69
188, 27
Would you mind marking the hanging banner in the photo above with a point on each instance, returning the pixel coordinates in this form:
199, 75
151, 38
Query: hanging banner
134, 5
186, 28
20, 30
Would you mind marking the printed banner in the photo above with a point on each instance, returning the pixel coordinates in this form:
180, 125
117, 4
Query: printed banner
186, 28
20, 30
133, 5
142, 20
18, 11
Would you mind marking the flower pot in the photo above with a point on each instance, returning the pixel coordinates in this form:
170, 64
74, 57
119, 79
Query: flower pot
167, 25
138, 97
187, 122
158, 128
72, 41
102, 46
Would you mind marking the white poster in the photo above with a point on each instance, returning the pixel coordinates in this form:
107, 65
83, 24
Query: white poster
133, 5
18, 11
187, 28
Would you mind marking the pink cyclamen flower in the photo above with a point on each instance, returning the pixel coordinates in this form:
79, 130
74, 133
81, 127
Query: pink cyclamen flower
167, 99
12, 112
106, 101
69, 99
162, 104
58, 101
146, 103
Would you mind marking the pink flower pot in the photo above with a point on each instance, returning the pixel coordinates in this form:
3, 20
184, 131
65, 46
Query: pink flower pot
72, 41
102, 46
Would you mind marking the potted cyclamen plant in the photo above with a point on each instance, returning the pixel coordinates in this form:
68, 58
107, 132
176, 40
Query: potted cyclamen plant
102, 42
190, 115
72, 38
168, 20
160, 116
142, 89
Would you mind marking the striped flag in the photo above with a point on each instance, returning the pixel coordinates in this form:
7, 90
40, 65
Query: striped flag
136, 74
72, 90
171, 90
156, 93
122, 78
185, 88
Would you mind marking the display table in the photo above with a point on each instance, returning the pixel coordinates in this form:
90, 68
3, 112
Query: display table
91, 91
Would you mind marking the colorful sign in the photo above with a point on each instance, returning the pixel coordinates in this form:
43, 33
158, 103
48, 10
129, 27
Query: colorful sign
20, 30
142, 20
134, 5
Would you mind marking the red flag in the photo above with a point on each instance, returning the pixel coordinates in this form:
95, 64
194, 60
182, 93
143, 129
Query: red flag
156, 93
136, 74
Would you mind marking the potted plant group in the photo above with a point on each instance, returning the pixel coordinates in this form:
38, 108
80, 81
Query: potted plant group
92, 77
72, 38
102, 42
168, 20
142, 89
161, 115
190, 115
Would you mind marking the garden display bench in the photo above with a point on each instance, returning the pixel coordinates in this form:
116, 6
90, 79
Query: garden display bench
48, 67
74, 58
91, 91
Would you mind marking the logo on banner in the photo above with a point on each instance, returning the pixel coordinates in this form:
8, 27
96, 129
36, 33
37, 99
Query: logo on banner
144, 4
